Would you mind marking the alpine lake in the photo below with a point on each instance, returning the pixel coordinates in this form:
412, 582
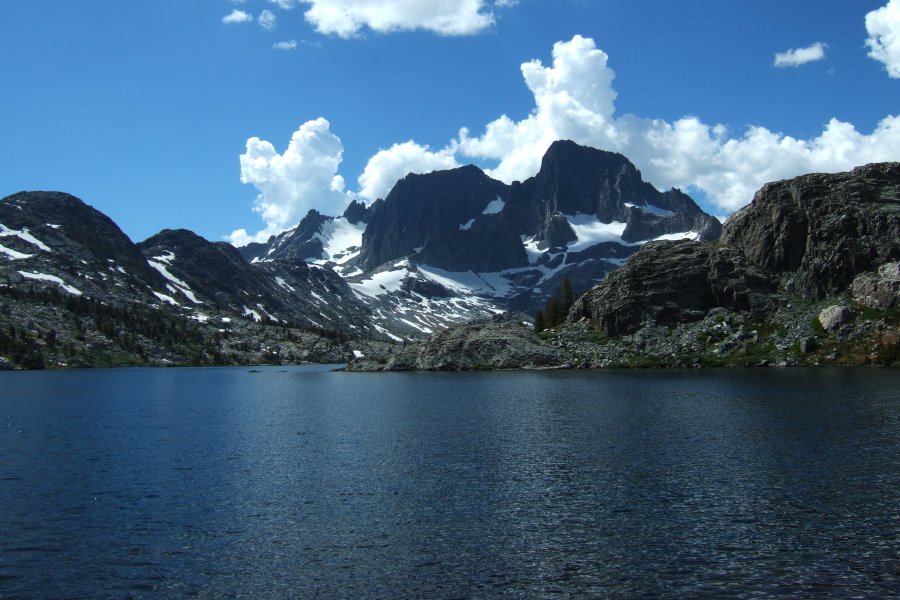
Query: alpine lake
299, 482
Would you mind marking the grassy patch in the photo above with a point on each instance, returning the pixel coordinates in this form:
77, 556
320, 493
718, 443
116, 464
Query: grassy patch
594, 338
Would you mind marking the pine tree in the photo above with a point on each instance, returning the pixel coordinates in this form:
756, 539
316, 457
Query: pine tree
551, 312
539, 325
566, 297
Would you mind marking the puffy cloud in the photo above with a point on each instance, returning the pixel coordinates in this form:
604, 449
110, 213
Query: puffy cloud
574, 99
883, 26
346, 18
268, 20
800, 56
237, 16
290, 184
389, 166
291, 45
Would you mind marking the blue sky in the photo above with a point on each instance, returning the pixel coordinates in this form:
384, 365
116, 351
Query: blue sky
167, 114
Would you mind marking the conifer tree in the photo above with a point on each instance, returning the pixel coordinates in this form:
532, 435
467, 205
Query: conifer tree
566, 298
539, 325
551, 312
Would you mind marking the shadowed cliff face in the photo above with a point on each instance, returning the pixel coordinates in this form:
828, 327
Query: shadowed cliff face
461, 219
811, 237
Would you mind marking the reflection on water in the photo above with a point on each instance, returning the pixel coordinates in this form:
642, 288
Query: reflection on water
302, 483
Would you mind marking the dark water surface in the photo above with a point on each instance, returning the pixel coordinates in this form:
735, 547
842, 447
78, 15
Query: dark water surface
219, 483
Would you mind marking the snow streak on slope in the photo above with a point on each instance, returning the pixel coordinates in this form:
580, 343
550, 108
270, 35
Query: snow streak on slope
25, 236
40, 276
180, 286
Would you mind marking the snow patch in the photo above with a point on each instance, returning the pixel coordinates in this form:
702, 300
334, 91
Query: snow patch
284, 285
182, 286
380, 283
494, 206
165, 298
252, 313
341, 240
388, 333
416, 326
40, 276
51, 225
166, 258
651, 209
358, 354
23, 235
687, 235
466, 226
590, 231
12, 253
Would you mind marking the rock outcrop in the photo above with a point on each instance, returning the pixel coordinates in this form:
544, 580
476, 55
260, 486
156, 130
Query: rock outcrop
472, 347
817, 232
675, 282
809, 237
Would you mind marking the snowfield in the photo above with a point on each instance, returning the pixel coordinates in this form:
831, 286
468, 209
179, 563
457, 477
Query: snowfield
40, 276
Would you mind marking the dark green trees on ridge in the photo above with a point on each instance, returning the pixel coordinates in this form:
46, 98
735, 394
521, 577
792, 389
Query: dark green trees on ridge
557, 308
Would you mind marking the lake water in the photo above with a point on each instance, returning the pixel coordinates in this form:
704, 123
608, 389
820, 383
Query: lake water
302, 483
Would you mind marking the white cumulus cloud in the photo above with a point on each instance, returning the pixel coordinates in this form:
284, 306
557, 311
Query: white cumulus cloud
290, 184
291, 45
346, 18
883, 26
268, 20
237, 16
574, 99
800, 56
388, 166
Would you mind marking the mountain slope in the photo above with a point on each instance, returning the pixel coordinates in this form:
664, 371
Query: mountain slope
509, 246
75, 291
54, 240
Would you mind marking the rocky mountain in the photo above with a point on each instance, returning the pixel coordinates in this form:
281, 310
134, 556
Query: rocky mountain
807, 274
308, 240
447, 247
51, 239
213, 275
75, 290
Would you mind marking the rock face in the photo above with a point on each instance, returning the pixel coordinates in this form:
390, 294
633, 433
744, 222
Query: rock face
461, 219
486, 346
880, 289
436, 205
812, 236
675, 282
817, 232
